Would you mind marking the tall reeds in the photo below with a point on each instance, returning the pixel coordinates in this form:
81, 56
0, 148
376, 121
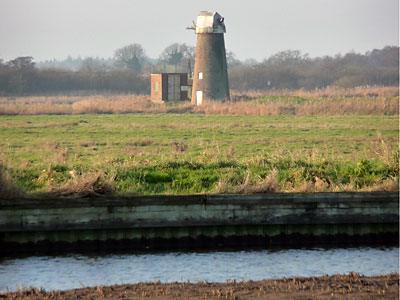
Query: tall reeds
328, 101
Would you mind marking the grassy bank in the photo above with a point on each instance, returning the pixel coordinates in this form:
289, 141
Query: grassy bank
197, 153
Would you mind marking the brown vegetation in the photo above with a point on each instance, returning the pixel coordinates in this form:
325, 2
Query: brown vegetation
254, 184
81, 186
7, 189
328, 92
352, 286
251, 185
328, 101
282, 107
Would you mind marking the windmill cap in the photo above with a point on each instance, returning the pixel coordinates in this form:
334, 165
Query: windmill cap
210, 22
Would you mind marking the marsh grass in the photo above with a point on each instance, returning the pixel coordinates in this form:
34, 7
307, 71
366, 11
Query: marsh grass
255, 185
221, 151
81, 185
218, 173
8, 190
328, 101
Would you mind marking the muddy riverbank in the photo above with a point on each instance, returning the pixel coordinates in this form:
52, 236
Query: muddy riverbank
352, 286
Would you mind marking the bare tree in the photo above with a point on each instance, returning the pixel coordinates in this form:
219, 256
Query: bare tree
22, 69
176, 54
231, 59
90, 65
131, 57
287, 57
22, 64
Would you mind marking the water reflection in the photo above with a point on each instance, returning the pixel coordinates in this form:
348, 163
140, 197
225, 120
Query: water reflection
77, 270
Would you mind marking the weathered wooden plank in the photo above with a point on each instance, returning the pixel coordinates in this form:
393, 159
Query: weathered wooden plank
212, 215
167, 200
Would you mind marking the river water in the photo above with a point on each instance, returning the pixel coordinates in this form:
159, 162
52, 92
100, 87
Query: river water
78, 270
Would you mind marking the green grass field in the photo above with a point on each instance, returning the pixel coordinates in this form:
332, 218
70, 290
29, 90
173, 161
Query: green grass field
198, 153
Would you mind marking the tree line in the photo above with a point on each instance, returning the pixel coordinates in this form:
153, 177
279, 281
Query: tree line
294, 70
129, 71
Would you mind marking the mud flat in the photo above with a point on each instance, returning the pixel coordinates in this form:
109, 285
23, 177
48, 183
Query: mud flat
351, 286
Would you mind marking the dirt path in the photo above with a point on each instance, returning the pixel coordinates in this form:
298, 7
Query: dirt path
350, 286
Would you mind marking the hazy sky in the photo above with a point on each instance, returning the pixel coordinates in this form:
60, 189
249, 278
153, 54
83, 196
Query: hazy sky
47, 29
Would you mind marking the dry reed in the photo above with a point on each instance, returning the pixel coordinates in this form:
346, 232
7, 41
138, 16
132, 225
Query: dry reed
328, 92
251, 185
328, 101
82, 185
7, 189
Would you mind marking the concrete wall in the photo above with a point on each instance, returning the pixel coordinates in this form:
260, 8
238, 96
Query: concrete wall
266, 216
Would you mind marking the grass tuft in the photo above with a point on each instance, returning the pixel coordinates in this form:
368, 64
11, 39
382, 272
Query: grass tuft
8, 190
82, 186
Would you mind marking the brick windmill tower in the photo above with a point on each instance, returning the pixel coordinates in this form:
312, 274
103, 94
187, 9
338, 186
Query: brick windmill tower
210, 78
